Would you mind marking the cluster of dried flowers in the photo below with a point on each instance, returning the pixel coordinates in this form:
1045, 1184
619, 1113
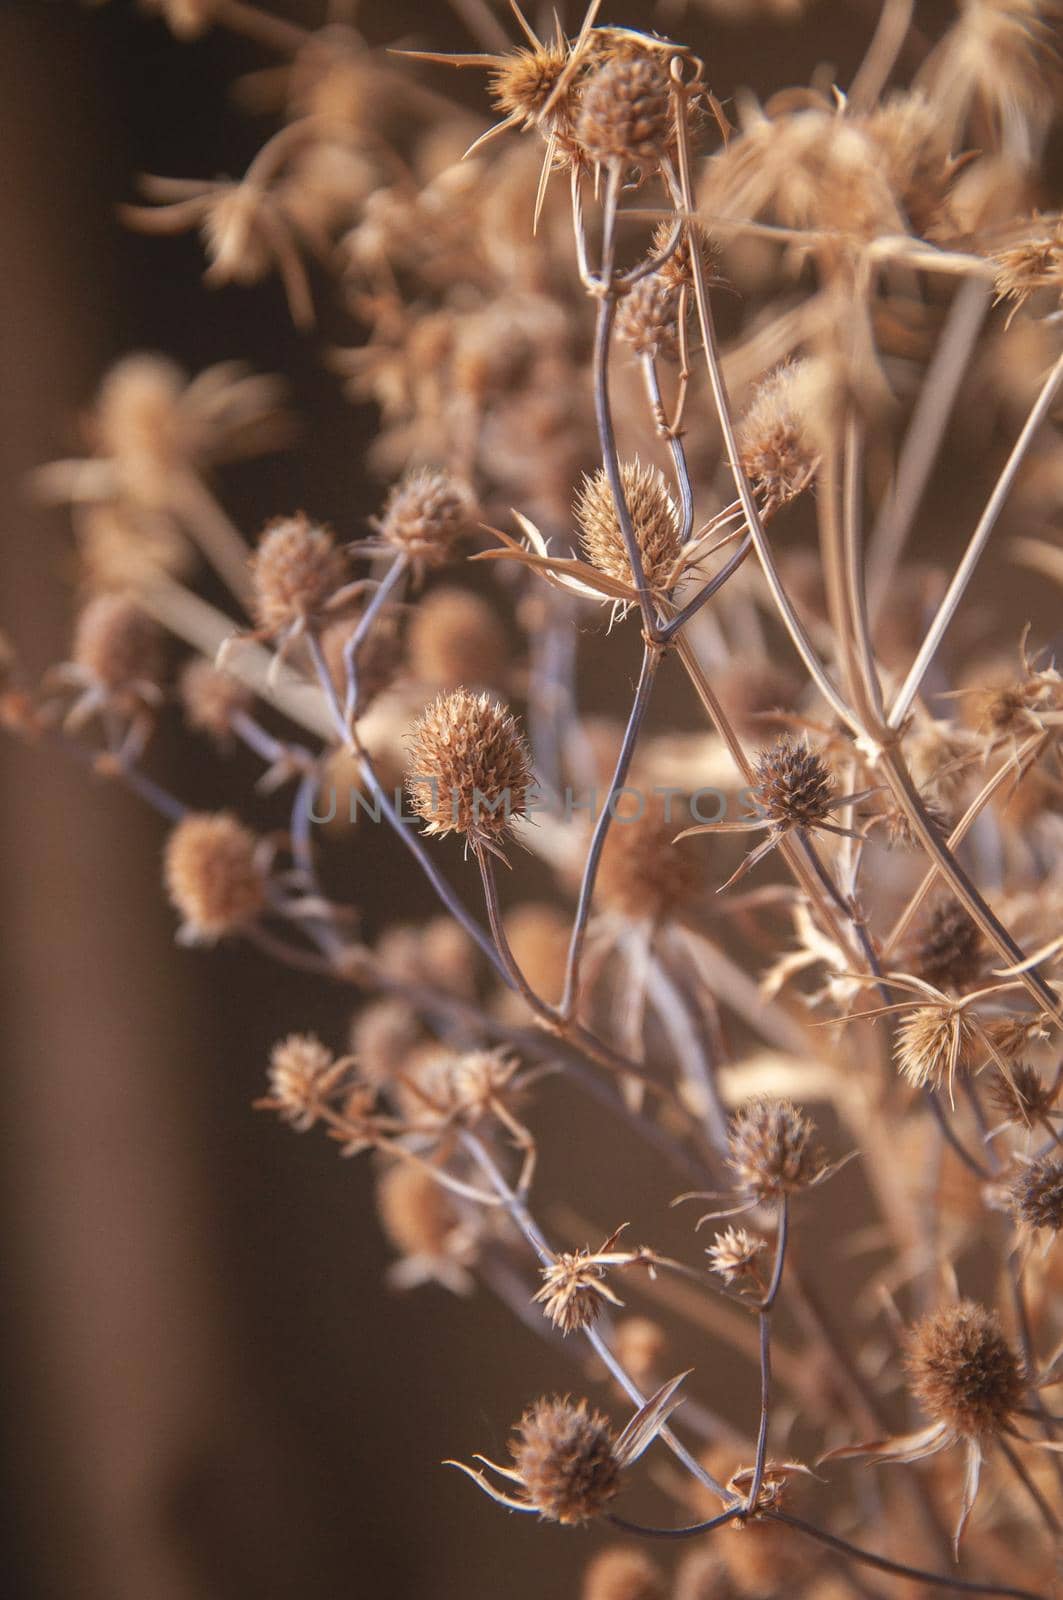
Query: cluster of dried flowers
895, 753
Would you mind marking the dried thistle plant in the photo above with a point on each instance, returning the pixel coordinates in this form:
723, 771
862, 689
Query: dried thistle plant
556, 409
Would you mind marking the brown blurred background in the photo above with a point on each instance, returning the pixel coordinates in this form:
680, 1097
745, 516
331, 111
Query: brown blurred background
213, 1393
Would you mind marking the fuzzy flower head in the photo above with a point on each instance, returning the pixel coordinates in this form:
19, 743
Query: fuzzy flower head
1037, 1194
295, 572
574, 1290
567, 1461
794, 786
949, 952
301, 1072
625, 112
424, 517
734, 1253
779, 437
654, 519
212, 698
772, 1150
644, 874
116, 662
215, 876
469, 768
933, 1043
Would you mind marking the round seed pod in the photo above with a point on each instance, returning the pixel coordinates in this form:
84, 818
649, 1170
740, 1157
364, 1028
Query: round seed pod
295, 570
654, 518
469, 767
963, 1371
625, 111
563, 1453
426, 514
213, 875
456, 638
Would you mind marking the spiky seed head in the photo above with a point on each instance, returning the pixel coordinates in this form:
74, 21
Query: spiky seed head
644, 874
478, 1080
1037, 1194
779, 436
932, 1044
573, 1291
522, 81
414, 1210
382, 1035
1022, 268
949, 952
625, 111
772, 1149
794, 786
678, 269
734, 1252
654, 518
963, 1371
295, 570
455, 637
1024, 1097
623, 1572
211, 698
213, 874
448, 956
563, 1453
300, 1068
117, 645
648, 317
236, 235
426, 514
469, 768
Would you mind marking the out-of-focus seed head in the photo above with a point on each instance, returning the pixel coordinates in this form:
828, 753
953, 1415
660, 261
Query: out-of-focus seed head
623, 1572
117, 646
641, 1345
772, 1149
213, 875
379, 655
794, 786
963, 1371
382, 1035
1037, 1194
300, 1071
654, 518
932, 1044
469, 768
295, 571
1032, 264
186, 19
625, 111
455, 637
643, 873
1024, 1097
237, 236
563, 1453
648, 317
538, 937
414, 1210
779, 436
212, 698
734, 1252
425, 515
949, 952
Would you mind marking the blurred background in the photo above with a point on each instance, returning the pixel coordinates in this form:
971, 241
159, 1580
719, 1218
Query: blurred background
213, 1393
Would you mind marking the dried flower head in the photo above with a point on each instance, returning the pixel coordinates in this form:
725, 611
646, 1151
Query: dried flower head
772, 1149
654, 518
949, 952
932, 1044
295, 571
456, 638
1023, 1097
1030, 264
794, 786
425, 515
963, 1371
648, 316
382, 1035
214, 875
538, 937
117, 657
641, 1345
1037, 1194
779, 436
469, 768
186, 19
521, 82
420, 1221
574, 1288
564, 1457
734, 1252
302, 1072
677, 269
644, 874
625, 111
623, 1572
211, 698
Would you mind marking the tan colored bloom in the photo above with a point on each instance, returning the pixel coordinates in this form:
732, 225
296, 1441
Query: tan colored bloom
214, 876
644, 873
779, 437
456, 638
211, 698
772, 1150
469, 768
623, 1572
425, 516
296, 571
654, 519
734, 1252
